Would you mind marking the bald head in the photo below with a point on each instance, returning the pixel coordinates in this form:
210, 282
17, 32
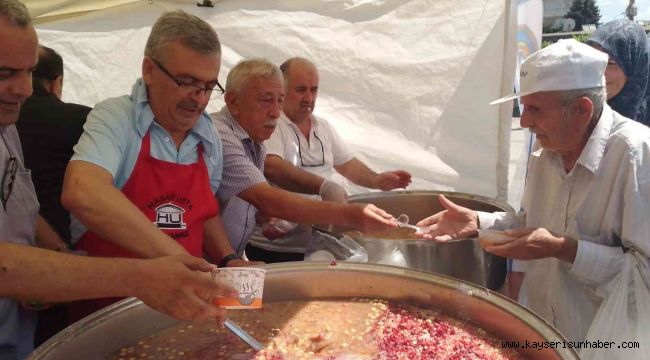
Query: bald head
301, 88
295, 63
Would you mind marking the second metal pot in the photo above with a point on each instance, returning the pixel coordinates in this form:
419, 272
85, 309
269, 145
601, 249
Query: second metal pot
462, 259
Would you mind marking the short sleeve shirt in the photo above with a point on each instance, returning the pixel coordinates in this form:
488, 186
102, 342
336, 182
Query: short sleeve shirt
17, 225
243, 164
113, 134
319, 154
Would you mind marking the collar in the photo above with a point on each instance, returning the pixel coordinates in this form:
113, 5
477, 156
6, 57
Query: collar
594, 150
144, 117
40, 91
314, 122
239, 131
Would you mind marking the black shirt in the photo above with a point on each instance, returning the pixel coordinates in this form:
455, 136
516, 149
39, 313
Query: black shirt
48, 130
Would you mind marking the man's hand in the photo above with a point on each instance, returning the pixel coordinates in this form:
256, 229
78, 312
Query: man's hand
535, 244
275, 228
452, 223
332, 191
180, 286
370, 217
391, 180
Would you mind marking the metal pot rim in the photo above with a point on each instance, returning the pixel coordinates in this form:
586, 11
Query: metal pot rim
487, 200
526, 316
481, 198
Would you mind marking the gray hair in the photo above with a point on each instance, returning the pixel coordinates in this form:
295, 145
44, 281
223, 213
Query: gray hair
286, 66
16, 12
192, 32
247, 70
597, 95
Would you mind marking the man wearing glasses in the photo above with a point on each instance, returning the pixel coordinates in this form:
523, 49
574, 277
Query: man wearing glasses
303, 154
254, 95
144, 173
28, 274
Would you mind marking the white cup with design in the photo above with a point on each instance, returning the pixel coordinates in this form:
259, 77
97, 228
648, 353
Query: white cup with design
249, 283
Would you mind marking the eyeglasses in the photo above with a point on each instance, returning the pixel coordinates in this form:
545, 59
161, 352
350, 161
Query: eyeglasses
8, 178
196, 89
322, 149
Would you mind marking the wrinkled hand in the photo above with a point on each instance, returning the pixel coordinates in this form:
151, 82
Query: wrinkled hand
370, 217
181, 286
391, 180
243, 263
332, 191
535, 244
455, 222
276, 228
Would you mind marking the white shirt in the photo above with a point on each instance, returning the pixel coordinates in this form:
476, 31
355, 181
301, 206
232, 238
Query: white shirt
604, 202
318, 155
324, 146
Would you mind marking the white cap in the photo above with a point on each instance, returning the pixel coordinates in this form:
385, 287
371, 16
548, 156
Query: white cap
565, 65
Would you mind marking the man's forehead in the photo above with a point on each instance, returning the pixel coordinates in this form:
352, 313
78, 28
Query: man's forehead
265, 85
301, 70
18, 46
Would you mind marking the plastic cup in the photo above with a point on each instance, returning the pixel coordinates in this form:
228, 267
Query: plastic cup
249, 282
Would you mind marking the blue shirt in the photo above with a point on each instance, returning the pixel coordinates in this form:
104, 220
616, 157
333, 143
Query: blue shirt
113, 136
17, 226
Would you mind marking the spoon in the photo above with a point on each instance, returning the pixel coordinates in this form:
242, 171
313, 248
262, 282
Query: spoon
403, 222
242, 334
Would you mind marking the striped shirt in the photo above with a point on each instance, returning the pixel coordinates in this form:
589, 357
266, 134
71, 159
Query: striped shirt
243, 164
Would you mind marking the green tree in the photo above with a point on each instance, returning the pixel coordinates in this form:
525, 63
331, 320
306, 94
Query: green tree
584, 12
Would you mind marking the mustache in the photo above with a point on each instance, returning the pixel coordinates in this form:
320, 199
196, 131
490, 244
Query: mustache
271, 122
189, 105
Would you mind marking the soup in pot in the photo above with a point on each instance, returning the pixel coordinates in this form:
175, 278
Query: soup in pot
325, 329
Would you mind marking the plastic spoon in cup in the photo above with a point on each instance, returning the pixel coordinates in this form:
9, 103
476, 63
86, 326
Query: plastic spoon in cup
403, 222
242, 334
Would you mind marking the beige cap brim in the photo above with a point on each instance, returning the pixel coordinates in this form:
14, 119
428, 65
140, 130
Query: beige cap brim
512, 96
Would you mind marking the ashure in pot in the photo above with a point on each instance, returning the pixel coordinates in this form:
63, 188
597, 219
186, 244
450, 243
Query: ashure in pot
124, 323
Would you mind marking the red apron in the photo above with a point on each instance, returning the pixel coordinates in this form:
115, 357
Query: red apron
175, 197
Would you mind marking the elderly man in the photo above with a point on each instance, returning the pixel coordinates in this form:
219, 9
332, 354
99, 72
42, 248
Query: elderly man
29, 274
587, 194
254, 94
144, 173
303, 154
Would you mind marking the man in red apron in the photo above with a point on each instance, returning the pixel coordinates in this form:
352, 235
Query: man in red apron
144, 173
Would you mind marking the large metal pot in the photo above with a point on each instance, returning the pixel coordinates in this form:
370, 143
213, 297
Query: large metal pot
124, 323
462, 259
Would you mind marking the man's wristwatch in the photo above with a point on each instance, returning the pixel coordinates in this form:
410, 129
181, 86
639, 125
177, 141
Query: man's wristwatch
226, 259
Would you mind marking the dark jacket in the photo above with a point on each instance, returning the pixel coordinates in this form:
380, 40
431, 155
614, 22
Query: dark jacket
49, 129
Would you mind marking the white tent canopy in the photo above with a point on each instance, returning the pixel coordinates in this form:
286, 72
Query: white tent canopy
406, 83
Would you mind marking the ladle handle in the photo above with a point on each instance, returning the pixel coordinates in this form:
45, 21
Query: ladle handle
243, 335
